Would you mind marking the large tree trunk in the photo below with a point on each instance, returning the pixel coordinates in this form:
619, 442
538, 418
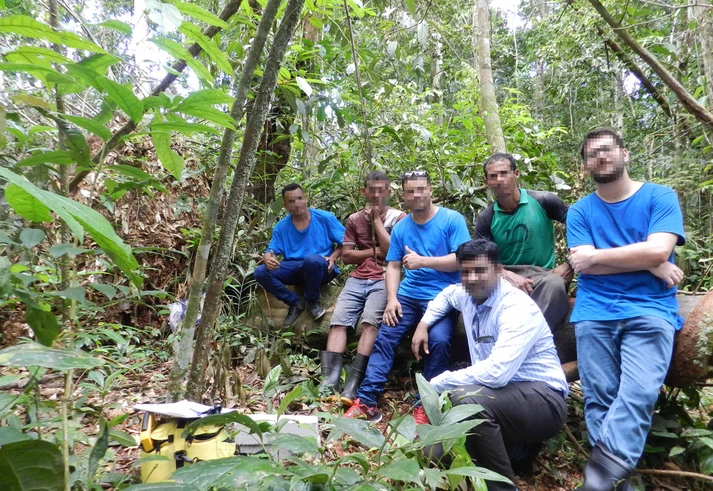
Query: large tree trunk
184, 350
687, 100
243, 171
488, 102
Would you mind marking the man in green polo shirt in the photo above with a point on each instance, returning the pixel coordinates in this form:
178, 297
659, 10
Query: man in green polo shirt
520, 222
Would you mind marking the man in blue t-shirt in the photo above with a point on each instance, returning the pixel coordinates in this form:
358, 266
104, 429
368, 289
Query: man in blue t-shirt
424, 243
621, 240
310, 242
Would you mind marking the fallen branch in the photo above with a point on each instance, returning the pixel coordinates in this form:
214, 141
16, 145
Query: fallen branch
657, 472
574, 441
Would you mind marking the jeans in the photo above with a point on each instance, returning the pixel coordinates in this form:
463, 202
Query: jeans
388, 339
622, 365
360, 298
310, 272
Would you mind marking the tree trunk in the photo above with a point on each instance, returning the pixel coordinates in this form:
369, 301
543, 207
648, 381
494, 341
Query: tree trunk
243, 171
687, 100
275, 149
704, 17
488, 102
619, 95
184, 351
538, 96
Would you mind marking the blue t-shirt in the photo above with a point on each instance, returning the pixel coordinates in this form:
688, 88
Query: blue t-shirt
592, 221
439, 236
323, 231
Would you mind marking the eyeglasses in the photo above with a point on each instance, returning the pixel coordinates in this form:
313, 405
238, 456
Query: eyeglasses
414, 173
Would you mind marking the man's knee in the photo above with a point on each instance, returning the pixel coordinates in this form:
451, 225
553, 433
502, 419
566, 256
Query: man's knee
314, 261
553, 283
262, 274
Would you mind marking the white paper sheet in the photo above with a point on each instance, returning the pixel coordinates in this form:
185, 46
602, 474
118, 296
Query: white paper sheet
181, 409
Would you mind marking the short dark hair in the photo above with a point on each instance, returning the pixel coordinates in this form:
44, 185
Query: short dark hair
499, 157
470, 250
291, 187
376, 175
601, 131
413, 175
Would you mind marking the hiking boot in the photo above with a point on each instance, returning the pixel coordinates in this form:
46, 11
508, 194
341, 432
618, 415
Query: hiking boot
605, 472
315, 310
331, 366
293, 313
362, 411
354, 379
420, 416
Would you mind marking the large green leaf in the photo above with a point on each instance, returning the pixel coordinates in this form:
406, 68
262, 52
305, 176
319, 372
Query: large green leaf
430, 400
199, 13
428, 434
44, 324
43, 73
77, 215
180, 53
35, 55
183, 127
209, 113
60, 157
31, 465
208, 96
98, 451
124, 98
402, 469
76, 144
170, 160
30, 237
165, 15
31, 354
362, 431
9, 434
29, 27
26, 205
90, 125
211, 49
477, 472
228, 473
117, 25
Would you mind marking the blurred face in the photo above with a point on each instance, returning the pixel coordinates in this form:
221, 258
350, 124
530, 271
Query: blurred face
417, 194
479, 276
295, 202
377, 193
501, 179
604, 159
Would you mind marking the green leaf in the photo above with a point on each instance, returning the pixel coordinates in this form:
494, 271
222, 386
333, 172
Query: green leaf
459, 413
43, 73
401, 469
31, 101
229, 473
222, 419
295, 443
41, 129
29, 27
98, 451
166, 16
74, 293
117, 25
59, 250
362, 431
98, 63
430, 400
208, 96
58, 157
294, 394
122, 438
695, 433
180, 53
304, 85
30, 237
199, 13
124, 98
31, 465
406, 426
183, 127
108, 290
90, 125
430, 434
9, 434
209, 113
170, 160
211, 49
26, 205
30, 354
477, 472
35, 55
44, 324
76, 144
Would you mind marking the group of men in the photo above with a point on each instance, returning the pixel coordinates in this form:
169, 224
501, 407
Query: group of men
511, 296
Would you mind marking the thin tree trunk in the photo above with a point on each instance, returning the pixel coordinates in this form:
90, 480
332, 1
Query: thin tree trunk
241, 179
687, 100
488, 102
619, 96
538, 96
704, 17
184, 351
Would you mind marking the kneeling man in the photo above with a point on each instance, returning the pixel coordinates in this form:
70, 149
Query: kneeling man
515, 374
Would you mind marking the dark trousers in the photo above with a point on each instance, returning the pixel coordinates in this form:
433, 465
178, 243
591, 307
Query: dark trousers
549, 293
518, 413
310, 272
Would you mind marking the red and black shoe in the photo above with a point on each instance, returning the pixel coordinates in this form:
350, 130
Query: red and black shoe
420, 416
362, 411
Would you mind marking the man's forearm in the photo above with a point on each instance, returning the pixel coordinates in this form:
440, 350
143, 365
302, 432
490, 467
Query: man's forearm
353, 256
382, 235
337, 252
447, 264
634, 257
601, 269
393, 279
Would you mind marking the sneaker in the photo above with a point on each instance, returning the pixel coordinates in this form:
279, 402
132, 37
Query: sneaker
420, 416
293, 314
316, 310
362, 411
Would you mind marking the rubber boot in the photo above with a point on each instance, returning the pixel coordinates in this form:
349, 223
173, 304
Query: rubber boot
331, 365
605, 472
354, 379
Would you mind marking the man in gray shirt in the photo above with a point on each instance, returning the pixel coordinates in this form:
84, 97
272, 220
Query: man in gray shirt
515, 373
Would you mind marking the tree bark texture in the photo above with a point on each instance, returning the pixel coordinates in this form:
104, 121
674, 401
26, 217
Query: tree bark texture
184, 351
228, 11
488, 102
243, 171
704, 17
685, 98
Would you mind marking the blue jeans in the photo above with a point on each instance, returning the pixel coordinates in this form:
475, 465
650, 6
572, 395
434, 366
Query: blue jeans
310, 272
388, 339
622, 365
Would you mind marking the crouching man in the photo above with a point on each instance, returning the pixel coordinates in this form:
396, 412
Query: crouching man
515, 374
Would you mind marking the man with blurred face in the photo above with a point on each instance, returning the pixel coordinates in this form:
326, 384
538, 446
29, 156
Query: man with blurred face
515, 374
424, 243
310, 242
366, 242
621, 241
520, 222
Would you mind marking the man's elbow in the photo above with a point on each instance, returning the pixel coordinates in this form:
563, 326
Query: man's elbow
660, 254
348, 257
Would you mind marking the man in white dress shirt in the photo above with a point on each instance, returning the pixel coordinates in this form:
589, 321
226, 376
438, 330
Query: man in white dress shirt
515, 373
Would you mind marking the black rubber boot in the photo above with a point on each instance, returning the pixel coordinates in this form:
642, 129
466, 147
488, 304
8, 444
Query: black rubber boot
354, 379
605, 472
331, 365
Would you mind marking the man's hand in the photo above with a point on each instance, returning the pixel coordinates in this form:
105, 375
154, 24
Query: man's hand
412, 260
520, 282
565, 271
668, 272
582, 257
270, 261
330, 263
420, 341
372, 214
392, 313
